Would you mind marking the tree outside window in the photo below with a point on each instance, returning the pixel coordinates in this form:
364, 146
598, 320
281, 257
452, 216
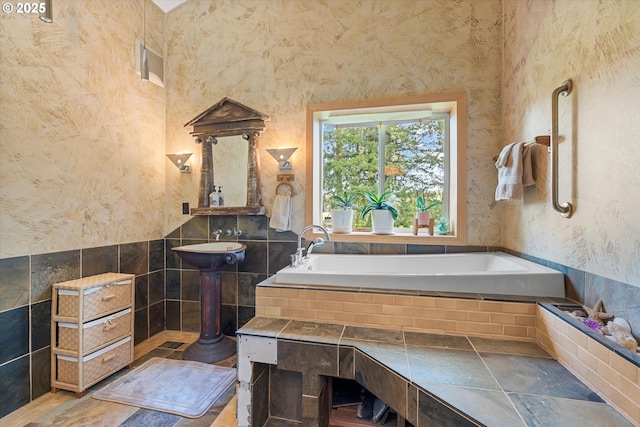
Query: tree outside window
406, 158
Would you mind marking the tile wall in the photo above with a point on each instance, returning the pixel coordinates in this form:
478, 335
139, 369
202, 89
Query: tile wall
167, 291
25, 308
267, 252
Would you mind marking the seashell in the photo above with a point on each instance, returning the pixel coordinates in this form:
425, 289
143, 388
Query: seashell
621, 336
579, 313
622, 322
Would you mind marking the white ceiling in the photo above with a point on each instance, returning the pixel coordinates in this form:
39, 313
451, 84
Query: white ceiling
167, 5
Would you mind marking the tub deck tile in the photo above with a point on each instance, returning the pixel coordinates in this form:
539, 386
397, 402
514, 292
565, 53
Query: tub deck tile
537, 376
538, 411
431, 365
490, 407
327, 333
458, 380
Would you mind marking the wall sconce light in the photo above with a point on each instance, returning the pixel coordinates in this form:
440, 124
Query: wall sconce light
144, 62
180, 160
281, 155
47, 14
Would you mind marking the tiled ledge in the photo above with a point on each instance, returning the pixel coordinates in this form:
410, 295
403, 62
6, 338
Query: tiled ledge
426, 378
608, 368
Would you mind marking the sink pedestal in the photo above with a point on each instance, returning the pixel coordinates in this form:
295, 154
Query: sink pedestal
212, 345
210, 258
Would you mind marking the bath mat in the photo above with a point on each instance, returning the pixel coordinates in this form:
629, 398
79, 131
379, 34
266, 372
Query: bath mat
178, 387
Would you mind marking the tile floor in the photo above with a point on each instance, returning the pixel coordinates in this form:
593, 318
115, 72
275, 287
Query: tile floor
63, 409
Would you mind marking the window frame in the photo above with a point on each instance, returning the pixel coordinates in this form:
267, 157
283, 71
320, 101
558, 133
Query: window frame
454, 104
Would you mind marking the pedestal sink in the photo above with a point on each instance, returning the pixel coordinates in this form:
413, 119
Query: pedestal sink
210, 258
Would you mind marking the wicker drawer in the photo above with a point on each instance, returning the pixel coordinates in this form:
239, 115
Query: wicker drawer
94, 366
95, 333
95, 300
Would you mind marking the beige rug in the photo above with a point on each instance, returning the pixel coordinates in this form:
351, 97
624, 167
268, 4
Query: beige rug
179, 387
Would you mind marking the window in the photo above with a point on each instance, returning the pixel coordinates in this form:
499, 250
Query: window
413, 146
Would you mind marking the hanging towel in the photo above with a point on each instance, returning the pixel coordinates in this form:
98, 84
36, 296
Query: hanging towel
503, 158
281, 213
514, 171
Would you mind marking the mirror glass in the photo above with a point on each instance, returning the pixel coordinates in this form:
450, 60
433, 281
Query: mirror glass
230, 159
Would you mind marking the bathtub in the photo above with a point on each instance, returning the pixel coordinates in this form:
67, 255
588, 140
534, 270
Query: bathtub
494, 273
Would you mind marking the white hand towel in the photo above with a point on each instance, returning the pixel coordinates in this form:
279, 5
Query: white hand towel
281, 213
503, 158
515, 172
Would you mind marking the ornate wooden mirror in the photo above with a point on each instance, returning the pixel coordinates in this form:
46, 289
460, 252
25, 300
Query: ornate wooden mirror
230, 120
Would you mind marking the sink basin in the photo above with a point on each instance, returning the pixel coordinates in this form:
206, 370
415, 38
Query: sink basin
213, 247
211, 256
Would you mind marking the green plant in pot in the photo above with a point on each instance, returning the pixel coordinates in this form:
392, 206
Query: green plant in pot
422, 214
383, 213
342, 215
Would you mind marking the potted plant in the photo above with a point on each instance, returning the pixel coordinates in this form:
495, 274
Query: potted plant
342, 217
383, 213
422, 215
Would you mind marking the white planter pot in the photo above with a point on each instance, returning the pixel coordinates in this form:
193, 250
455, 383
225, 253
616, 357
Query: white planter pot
381, 221
423, 218
342, 221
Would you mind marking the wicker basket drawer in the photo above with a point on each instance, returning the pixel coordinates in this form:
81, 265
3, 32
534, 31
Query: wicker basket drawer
95, 300
95, 333
95, 365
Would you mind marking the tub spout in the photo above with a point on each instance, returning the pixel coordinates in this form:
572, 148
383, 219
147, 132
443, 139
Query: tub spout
315, 244
300, 250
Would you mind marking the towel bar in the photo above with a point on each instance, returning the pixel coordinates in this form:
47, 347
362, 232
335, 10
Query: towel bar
540, 139
563, 208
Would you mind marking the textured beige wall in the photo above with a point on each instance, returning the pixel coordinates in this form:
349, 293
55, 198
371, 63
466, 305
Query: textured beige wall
597, 45
278, 56
81, 137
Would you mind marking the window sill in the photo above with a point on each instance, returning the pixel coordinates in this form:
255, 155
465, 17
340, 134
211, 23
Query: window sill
397, 238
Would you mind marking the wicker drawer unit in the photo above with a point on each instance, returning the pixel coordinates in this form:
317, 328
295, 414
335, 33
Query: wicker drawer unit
95, 366
95, 333
91, 330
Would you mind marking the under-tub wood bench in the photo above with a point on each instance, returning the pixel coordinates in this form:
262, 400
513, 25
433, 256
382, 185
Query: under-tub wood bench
284, 369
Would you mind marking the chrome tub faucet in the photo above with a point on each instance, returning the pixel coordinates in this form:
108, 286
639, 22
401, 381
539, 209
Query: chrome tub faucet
296, 259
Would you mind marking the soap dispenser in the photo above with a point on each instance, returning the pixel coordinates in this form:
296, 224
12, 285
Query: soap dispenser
214, 200
220, 197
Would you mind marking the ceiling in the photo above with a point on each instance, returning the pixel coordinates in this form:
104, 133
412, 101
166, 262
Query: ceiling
167, 5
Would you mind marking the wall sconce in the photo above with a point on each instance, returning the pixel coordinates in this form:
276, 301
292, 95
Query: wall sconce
180, 160
47, 14
281, 155
144, 62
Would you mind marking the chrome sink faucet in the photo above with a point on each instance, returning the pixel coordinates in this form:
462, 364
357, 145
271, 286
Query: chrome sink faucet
297, 258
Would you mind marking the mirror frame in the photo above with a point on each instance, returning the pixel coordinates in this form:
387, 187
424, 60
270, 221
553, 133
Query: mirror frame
228, 118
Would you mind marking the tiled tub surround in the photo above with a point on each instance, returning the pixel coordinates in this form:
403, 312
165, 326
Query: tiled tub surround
462, 314
614, 377
428, 379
